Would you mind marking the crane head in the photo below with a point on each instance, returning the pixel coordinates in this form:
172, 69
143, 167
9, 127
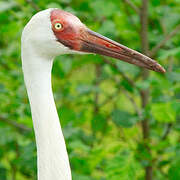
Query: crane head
61, 32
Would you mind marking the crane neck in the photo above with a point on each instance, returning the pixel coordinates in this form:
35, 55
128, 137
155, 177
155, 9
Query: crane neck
52, 158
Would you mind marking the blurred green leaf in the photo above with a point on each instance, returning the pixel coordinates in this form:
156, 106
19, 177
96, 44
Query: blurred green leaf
163, 112
6, 5
100, 8
99, 123
3, 173
85, 89
67, 115
174, 173
164, 54
173, 76
122, 166
122, 118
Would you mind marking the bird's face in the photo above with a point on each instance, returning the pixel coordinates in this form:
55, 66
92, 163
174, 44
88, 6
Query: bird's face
60, 32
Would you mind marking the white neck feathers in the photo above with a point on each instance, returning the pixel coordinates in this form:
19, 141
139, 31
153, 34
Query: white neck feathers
53, 163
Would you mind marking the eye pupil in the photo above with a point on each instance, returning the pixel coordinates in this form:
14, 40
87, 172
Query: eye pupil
58, 26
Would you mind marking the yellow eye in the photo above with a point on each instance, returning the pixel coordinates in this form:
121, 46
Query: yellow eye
58, 26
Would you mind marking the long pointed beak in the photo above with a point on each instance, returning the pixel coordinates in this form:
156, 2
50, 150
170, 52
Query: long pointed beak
93, 42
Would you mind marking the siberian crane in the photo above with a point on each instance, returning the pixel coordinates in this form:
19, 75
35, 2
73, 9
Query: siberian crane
50, 33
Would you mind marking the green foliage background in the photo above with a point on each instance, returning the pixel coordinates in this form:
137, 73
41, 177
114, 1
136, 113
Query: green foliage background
100, 111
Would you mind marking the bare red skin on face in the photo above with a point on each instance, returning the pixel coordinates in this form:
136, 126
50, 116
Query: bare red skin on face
73, 32
69, 35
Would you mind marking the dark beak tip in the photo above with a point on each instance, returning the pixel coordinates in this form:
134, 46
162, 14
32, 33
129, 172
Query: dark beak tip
160, 69
163, 70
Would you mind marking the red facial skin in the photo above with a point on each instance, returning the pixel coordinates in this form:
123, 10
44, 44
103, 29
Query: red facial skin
71, 28
74, 32
78, 37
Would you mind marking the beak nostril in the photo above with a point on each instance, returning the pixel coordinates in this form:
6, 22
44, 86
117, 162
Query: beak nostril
112, 46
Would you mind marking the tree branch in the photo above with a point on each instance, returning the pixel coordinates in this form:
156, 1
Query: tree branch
145, 93
110, 98
133, 6
138, 111
145, 73
144, 26
164, 41
130, 81
96, 107
15, 124
33, 5
129, 15
169, 125
167, 131
96, 96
